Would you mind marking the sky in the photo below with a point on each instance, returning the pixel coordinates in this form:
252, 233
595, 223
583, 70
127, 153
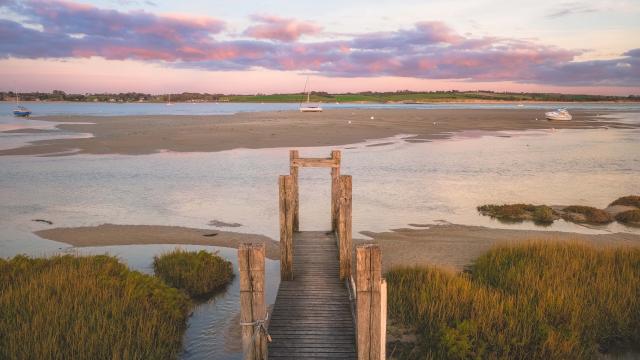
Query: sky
247, 47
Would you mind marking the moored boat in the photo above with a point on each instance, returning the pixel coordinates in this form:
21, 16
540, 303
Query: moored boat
20, 111
560, 114
308, 106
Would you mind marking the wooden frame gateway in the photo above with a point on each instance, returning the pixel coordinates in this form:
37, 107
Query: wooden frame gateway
290, 209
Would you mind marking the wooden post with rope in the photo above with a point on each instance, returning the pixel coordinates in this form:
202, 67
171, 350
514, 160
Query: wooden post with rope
253, 310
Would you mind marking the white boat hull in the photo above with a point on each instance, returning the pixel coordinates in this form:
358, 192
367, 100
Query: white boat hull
310, 109
558, 115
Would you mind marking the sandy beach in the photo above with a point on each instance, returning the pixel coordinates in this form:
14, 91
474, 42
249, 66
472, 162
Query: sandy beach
456, 246
150, 134
449, 245
110, 234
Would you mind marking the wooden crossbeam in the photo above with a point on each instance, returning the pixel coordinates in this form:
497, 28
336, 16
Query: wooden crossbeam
316, 162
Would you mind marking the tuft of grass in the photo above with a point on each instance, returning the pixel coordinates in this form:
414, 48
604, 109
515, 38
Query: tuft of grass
586, 214
631, 200
630, 217
92, 307
540, 300
198, 273
540, 214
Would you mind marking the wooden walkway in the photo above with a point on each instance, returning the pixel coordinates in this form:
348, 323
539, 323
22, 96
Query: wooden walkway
312, 316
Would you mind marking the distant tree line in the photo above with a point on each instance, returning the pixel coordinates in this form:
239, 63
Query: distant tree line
371, 96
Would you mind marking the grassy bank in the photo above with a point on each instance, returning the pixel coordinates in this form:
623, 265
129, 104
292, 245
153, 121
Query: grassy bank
94, 307
198, 273
533, 301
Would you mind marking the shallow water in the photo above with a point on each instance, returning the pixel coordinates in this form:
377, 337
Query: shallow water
395, 184
111, 109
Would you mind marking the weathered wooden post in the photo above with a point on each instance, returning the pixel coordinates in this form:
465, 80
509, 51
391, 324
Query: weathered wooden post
344, 226
368, 302
286, 227
253, 309
293, 171
335, 185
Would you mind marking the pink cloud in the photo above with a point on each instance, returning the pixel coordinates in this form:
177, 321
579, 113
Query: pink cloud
426, 50
281, 29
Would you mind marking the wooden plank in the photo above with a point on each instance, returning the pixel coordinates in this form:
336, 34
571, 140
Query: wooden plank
315, 162
312, 315
252, 305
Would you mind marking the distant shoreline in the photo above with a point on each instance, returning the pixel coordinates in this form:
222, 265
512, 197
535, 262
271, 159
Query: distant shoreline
446, 101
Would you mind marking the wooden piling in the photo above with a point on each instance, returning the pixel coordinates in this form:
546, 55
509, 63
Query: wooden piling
286, 226
335, 188
252, 304
368, 302
293, 155
344, 226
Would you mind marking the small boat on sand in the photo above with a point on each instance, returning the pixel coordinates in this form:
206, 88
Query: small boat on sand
20, 111
560, 114
308, 106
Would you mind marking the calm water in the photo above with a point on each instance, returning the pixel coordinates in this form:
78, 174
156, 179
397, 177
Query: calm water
394, 185
108, 109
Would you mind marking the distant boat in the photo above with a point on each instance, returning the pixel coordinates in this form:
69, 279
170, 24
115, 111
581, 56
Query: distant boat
20, 111
169, 102
308, 106
560, 114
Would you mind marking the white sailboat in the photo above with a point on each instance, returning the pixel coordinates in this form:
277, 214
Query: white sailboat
308, 106
169, 102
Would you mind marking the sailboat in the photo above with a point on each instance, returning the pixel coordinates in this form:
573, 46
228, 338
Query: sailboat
308, 106
20, 111
169, 102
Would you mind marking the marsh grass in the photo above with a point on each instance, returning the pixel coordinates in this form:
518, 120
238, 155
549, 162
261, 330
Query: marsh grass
536, 301
631, 200
630, 217
586, 214
198, 273
540, 214
92, 307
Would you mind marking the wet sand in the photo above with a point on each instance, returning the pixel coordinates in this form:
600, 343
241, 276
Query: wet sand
455, 246
150, 134
110, 234
452, 246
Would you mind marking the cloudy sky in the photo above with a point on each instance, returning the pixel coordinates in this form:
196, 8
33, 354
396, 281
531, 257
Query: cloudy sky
271, 46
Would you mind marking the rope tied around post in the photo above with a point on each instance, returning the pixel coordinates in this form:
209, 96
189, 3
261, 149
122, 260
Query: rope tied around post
260, 328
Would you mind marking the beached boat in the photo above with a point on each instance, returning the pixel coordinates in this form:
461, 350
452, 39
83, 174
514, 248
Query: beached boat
308, 106
560, 114
20, 111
